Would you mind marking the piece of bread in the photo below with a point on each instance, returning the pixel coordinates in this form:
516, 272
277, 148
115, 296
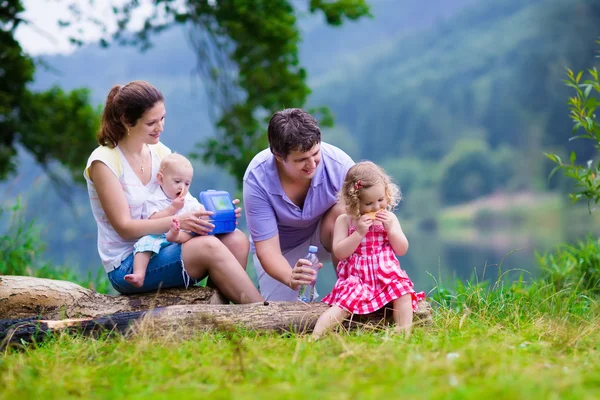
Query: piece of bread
372, 214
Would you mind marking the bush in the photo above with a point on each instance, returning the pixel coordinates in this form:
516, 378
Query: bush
21, 249
19, 243
467, 172
583, 113
573, 268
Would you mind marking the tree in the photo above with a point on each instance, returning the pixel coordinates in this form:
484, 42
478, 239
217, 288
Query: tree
247, 53
52, 125
583, 113
467, 172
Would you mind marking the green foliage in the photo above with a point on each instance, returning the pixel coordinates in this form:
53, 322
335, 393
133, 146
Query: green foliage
16, 70
573, 268
53, 125
248, 52
514, 301
60, 126
21, 247
19, 243
457, 80
418, 181
583, 113
467, 172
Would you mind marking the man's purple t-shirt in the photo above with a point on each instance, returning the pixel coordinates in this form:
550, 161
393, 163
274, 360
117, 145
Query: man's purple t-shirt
270, 212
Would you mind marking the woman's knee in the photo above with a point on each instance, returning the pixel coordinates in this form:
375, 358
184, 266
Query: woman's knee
202, 248
236, 240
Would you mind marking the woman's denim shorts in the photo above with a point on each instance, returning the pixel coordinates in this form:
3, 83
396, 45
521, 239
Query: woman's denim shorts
165, 270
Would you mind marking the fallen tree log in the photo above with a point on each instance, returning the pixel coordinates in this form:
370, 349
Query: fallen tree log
32, 308
26, 296
186, 319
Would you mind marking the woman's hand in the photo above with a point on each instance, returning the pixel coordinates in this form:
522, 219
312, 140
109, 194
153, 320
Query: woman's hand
303, 274
197, 222
238, 210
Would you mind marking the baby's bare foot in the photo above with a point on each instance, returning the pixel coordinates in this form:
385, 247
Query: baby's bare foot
173, 230
135, 280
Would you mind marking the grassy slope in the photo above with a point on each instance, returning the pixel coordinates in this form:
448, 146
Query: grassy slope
492, 349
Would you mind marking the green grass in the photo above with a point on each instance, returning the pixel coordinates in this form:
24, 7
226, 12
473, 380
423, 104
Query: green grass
499, 343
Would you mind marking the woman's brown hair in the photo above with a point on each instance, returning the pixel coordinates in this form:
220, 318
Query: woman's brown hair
124, 106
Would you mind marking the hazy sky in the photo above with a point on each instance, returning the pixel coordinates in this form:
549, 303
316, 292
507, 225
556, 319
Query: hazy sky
44, 35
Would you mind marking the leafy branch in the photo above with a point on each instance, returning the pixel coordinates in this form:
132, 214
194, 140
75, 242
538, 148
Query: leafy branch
582, 108
247, 55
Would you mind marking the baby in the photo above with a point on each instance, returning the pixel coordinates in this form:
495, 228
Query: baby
173, 198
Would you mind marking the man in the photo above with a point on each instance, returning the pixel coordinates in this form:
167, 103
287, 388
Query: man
290, 199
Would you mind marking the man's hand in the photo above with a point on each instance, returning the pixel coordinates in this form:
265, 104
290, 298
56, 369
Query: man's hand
303, 274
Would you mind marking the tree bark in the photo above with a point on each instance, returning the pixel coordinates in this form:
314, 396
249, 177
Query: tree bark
32, 308
25, 296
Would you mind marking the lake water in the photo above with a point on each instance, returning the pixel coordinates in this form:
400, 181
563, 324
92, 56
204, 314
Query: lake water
482, 254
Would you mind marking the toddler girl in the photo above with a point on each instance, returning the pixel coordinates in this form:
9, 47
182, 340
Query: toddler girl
366, 240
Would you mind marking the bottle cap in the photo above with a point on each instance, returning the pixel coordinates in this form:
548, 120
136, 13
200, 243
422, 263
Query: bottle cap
313, 249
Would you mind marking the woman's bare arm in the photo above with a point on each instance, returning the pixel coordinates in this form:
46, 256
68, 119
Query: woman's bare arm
114, 203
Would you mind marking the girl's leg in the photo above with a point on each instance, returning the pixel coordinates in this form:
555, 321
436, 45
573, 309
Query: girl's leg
207, 255
238, 244
140, 264
403, 313
330, 318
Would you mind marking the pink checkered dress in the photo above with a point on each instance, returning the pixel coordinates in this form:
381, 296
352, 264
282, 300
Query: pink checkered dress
371, 277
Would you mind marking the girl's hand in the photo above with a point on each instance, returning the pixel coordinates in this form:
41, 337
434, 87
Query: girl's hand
238, 210
197, 222
387, 218
363, 224
302, 274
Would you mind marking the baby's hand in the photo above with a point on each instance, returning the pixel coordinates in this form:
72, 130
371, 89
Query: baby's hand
178, 202
363, 224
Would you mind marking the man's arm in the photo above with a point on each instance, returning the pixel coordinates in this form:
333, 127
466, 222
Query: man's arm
272, 260
275, 264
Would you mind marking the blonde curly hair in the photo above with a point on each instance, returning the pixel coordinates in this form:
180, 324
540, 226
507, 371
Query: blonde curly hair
364, 175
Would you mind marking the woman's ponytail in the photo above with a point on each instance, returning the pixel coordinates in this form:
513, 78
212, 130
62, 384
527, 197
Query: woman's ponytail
111, 128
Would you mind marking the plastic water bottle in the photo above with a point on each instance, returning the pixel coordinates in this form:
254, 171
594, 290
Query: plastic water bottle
306, 293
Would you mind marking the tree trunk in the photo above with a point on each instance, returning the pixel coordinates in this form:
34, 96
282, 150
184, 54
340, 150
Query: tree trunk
41, 303
25, 296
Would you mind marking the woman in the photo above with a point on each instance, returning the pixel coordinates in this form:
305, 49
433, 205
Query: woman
120, 176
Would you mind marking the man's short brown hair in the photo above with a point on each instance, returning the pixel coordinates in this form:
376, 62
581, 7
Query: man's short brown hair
292, 129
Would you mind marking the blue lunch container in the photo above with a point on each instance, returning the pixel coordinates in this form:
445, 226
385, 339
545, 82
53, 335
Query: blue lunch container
219, 202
